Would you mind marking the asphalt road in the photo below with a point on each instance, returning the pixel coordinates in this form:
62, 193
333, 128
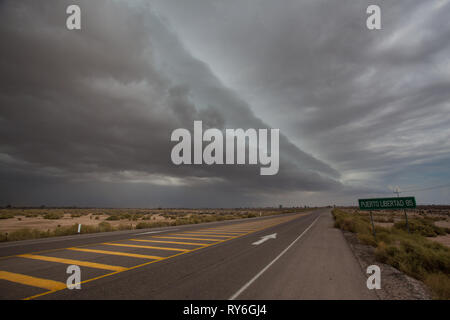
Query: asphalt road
306, 259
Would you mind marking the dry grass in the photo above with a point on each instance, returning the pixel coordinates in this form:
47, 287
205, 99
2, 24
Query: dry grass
26, 233
413, 253
32, 223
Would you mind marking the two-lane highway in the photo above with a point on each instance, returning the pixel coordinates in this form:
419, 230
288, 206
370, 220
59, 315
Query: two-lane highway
209, 261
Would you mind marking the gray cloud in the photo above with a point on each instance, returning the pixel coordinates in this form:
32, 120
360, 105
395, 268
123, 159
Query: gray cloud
86, 116
98, 107
374, 104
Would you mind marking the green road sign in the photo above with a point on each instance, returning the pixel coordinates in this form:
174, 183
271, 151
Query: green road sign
387, 203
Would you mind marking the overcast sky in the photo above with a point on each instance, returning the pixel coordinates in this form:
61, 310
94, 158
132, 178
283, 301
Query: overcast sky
86, 116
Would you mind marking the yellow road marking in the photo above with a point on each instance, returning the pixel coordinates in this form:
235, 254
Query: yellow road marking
235, 230
174, 242
231, 228
247, 231
167, 237
213, 232
112, 273
117, 253
260, 227
145, 247
32, 281
76, 262
200, 235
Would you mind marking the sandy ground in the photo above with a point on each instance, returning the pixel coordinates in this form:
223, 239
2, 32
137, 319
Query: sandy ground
443, 224
93, 216
8, 225
444, 240
384, 224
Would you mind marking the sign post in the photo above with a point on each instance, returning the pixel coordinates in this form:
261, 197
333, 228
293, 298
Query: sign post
387, 204
373, 226
406, 218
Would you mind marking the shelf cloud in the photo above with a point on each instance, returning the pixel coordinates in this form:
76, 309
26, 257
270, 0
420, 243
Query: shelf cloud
86, 115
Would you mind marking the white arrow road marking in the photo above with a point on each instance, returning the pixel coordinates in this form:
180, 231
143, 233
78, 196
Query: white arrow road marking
248, 284
265, 238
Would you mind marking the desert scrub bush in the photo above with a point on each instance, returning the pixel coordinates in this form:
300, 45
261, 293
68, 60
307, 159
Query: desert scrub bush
113, 218
6, 215
124, 226
172, 216
440, 282
367, 239
416, 257
412, 254
75, 215
64, 231
144, 225
383, 219
104, 227
26, 233
181, 221
134, 217
88, 228
53, 216
356, 223
422, 226
31, 215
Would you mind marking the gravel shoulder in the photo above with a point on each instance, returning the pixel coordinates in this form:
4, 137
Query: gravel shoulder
395, 285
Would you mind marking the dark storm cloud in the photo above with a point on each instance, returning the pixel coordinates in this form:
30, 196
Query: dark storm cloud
373, 104
86, 116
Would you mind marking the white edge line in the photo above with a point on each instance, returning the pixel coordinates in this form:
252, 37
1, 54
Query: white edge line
136, 234
71, 237
238, 293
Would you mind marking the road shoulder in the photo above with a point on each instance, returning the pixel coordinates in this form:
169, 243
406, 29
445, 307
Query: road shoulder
320, 265
395, 285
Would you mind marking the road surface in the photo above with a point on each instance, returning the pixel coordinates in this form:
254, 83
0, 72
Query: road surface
293, 256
